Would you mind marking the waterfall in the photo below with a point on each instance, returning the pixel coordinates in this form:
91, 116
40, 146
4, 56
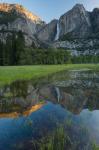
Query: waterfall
57, 33
58, 93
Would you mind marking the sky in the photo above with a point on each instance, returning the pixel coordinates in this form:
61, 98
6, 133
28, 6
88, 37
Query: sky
52, 9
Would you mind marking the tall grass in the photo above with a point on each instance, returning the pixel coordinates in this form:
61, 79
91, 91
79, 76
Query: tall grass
58, 141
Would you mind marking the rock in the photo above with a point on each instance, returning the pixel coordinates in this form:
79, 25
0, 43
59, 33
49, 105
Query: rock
76, 30
48, 32
15, 18
19, 10
95, 21
79, 46
76, 22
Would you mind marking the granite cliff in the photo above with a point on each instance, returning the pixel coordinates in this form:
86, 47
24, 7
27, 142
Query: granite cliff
77, 29
15, 18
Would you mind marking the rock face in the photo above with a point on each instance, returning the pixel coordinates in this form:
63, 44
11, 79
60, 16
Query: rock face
48, 32
76, 29
76, 22
79, 31
95, 22
79, 46
14, 18
7, 8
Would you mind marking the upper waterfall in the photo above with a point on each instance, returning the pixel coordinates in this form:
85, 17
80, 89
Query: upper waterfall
58, 32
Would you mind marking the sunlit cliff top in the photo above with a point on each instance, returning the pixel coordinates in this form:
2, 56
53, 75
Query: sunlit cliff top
5, 7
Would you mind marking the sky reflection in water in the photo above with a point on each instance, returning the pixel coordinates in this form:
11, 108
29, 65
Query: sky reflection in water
32, 109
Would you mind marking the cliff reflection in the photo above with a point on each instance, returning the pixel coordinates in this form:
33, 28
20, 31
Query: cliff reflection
72, 90
25, 113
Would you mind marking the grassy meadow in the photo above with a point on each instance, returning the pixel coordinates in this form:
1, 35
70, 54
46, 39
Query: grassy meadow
9, 74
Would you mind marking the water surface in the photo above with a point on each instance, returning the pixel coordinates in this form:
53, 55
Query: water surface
30, 110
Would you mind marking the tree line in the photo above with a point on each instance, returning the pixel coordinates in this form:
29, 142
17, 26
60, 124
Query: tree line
85, 59
11, 50
14, 52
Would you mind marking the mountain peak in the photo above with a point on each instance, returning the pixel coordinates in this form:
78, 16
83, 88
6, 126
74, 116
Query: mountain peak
5, 7
78, 6
96, 10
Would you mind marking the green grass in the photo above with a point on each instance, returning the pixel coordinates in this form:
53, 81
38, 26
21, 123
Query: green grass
60, 139
95, 146
9, 74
